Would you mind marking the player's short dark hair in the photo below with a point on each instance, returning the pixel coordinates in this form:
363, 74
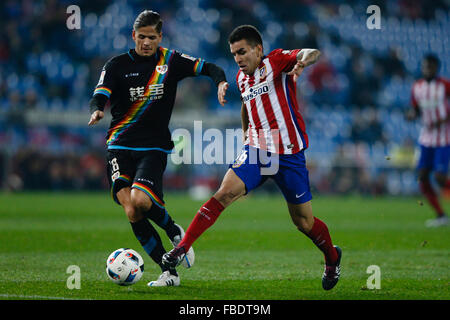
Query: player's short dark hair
148, 18
246, 32
432, 58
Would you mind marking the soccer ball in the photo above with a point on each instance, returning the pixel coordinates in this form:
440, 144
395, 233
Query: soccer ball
124, 266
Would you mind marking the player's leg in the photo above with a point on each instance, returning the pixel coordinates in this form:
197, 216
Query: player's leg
149, 180
147, 199
163, 219
122, 168
154, 209
425, 166
426, 187
442, 218
242, 177
144, 232
149, 238
440, 168
314, 228
441, 179
293, 181
230, 190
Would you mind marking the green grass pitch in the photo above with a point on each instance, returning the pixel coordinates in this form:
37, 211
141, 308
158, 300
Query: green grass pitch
252, 252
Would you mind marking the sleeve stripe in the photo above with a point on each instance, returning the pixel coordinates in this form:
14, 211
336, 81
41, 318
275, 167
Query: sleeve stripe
198, 66
103, 90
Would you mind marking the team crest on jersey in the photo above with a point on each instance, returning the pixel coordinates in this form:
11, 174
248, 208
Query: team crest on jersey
240, 160
162, 69
262, 72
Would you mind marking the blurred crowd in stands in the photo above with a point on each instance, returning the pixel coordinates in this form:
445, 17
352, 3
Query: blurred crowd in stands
352, 100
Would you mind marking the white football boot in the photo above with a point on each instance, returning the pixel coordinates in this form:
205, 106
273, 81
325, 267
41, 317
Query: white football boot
165, 280
437, 222
189, 258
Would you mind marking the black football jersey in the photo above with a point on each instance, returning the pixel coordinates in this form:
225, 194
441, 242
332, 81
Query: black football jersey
142, 93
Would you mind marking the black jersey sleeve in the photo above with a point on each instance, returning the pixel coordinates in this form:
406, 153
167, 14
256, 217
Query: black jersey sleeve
105, 86
215, 72
188, 66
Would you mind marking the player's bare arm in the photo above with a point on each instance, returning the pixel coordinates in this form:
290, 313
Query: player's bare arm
244, 122
305, 58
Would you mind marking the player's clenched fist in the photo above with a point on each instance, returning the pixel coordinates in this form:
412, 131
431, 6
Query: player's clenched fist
221, 91
297, 70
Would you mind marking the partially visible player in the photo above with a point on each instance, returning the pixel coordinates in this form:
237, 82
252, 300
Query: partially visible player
275, 131
141, 86
429, 100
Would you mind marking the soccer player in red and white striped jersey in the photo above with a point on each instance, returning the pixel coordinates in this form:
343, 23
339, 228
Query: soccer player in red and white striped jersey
429, 100
269, 99
275, 129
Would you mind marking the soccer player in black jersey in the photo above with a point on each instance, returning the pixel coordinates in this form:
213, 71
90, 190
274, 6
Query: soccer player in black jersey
141, 87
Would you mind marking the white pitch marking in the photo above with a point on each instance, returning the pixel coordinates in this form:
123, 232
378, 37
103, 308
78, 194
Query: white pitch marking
3, 295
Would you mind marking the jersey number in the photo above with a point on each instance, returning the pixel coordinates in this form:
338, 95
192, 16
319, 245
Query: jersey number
114, 169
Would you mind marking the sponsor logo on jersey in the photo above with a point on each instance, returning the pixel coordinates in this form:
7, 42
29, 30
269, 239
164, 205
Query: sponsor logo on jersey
137, 93
188, 57
255, 91
115, 176
133, 74
145, 180
155, 92
102, 77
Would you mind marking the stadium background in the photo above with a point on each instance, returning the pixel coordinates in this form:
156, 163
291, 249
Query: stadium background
352, 100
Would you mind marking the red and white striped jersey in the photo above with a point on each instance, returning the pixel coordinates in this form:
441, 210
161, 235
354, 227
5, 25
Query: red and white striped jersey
431, 98
269, 95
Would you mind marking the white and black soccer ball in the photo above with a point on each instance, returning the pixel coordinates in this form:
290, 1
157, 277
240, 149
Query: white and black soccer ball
124, 266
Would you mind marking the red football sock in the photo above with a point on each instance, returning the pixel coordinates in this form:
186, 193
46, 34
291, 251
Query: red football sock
205, 218
321, 237
428, 192
447, 184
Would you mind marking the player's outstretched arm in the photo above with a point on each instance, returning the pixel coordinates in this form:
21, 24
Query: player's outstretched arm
308, 57
217, 74
305, 58
97, 105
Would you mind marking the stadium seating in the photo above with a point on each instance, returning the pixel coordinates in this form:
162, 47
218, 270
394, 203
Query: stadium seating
57, 72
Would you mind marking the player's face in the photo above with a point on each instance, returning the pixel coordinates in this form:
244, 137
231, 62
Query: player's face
147, 40
247, 57
429, 69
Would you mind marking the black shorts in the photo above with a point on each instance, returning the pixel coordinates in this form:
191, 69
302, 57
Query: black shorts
141, 170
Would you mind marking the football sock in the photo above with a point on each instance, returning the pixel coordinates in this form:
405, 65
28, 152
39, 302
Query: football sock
447, 184
320, 236
427, 190
162, 218
150, 240
205, 218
